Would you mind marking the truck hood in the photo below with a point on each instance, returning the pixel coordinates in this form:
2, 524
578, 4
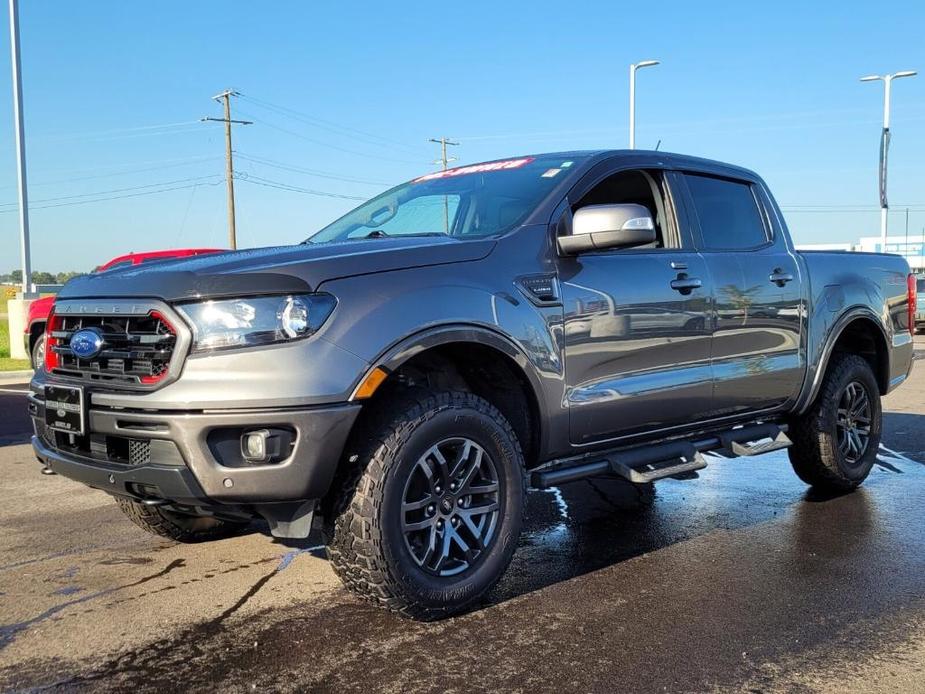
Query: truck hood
277, 270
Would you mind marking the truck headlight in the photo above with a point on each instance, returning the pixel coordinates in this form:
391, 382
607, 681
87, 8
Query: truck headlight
262, 320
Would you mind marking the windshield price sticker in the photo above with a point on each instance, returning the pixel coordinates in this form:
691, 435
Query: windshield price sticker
475, 169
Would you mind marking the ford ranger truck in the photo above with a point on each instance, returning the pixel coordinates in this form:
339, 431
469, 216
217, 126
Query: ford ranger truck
403, 375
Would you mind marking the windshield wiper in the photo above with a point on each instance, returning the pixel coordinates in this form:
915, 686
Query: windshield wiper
379, 234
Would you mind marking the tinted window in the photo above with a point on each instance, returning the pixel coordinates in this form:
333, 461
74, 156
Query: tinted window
728, 213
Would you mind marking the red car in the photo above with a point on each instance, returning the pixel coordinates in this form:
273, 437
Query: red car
40, 308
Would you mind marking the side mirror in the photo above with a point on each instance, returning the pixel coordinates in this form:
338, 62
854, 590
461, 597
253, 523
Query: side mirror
597, 227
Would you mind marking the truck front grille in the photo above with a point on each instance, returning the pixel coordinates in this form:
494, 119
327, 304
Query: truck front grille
136, 349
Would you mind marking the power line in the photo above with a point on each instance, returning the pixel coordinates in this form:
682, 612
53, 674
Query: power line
268, 183
844, 208
309, 172
321, 143
123, 172
831, 211
330, 126
115, 197
116, 190
163, 128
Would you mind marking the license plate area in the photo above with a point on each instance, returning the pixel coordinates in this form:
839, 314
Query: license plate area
64, 409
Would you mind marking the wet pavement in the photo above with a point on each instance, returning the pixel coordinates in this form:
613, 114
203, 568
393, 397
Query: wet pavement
740, 580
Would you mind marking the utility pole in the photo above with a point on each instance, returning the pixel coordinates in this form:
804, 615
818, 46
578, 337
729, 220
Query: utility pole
229, 163
444, 160
885, 145
25, 254
444, 142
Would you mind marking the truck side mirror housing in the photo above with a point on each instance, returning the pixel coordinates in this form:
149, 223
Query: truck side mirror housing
597, 227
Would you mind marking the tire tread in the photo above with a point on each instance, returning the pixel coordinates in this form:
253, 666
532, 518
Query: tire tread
353, 535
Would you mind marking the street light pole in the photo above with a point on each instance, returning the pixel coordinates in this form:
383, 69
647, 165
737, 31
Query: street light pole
25, 254
633, 68
885, 144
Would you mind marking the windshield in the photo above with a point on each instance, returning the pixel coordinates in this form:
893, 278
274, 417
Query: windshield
465, 202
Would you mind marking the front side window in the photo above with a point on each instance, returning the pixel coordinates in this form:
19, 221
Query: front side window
728, 213
466, 202
637, 187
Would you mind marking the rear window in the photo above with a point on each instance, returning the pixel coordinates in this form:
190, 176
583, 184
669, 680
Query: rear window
728, 212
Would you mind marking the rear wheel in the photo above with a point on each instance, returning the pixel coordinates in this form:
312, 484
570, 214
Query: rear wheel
836, 441
427, 518
180, 527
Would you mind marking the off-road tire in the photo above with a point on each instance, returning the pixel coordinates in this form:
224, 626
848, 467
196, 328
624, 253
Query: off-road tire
815, 453
177, 526
362, 526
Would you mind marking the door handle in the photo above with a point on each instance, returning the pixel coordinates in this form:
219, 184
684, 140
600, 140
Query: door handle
779, 277
685, 284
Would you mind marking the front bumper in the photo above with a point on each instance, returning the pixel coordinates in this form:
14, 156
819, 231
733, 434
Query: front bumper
193, 458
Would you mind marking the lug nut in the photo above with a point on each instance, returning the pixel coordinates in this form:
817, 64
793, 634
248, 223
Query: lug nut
438, 489
455, 522
452, 486
440, 524
430, 510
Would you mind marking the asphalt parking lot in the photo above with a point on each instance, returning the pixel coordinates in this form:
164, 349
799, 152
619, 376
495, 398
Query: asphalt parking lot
741, 580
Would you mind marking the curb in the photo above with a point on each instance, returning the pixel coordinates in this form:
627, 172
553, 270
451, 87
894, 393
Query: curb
13, 377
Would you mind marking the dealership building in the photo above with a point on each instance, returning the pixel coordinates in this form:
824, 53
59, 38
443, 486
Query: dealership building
911, 247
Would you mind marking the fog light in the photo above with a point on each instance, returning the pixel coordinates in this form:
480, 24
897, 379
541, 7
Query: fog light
264, 446
254, 446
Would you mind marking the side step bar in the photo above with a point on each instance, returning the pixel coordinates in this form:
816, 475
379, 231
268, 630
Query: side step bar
650, 463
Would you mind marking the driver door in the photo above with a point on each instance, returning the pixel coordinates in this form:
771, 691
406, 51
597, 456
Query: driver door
637, 327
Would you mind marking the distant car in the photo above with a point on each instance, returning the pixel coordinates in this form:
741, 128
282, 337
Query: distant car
40, 308
920, 310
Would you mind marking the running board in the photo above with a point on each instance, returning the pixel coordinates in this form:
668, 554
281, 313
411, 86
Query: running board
775, 444
660, 470
646, 464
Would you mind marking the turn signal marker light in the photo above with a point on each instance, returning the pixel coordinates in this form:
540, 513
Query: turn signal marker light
369, 385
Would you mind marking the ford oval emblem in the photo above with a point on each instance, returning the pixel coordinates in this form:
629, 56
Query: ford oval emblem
86, 343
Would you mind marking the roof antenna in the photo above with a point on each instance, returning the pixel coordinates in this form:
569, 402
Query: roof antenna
658, 145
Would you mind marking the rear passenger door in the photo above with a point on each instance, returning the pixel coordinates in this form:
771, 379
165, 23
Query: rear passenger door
756, 355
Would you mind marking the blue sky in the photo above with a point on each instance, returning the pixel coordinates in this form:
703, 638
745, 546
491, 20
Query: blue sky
114, 90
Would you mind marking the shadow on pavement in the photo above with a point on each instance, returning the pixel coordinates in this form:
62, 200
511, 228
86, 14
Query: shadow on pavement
15, 425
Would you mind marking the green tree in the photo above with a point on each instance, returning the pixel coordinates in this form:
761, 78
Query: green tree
63, 277
43, 278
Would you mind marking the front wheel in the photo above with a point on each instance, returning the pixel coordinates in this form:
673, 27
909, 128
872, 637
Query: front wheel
427, 517
835, 443
38, 354
179, 527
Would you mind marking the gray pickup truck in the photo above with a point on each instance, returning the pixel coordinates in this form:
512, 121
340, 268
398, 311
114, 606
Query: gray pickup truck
402, 376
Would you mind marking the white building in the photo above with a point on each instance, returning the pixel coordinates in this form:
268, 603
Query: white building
911, 248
